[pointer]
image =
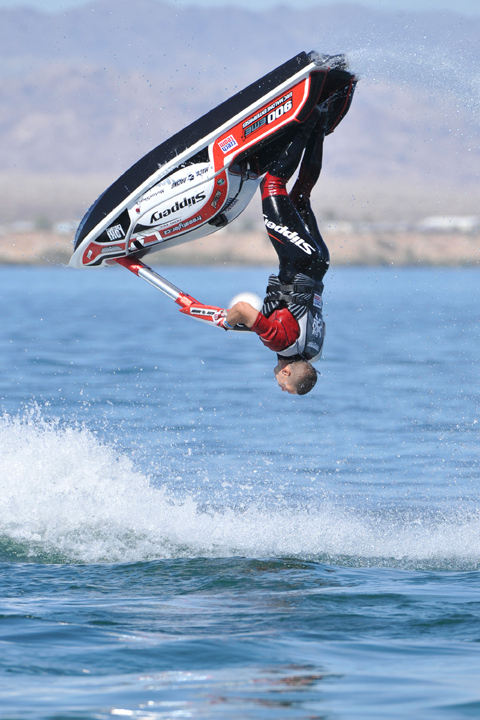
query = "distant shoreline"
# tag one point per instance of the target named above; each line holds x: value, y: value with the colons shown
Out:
x: 227, y: 248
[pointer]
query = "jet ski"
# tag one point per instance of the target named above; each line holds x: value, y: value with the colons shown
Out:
x: 202, y: 178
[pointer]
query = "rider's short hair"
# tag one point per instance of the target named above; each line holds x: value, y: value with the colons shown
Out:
x: 304, y: 377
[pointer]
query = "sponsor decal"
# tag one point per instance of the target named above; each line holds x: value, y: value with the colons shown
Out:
x: 112, y: 248
x: 202, y: 311
x: 216, y: 198
x: 89, y: 254
x: 186, y: 202
x: 227, y: 144
x: 317, y: 301
x: 182, y: 177
x: 268, y: 114
x: 181, y: 226
x: 314, y: 346
x: 231, y: 202
x: 317, y: 326
x: 183, y: 180
x: 220, y: 181
x: 116, y: 232
x: 146, y: 198
x: 292, y: 236
x: 256, y: 126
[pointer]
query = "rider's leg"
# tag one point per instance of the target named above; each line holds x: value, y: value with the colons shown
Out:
x: 311, y: 166
x: 308, y: 175
x: 298, y: 249
x: 288, y: 161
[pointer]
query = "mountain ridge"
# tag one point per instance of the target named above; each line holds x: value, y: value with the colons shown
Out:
x: 87, y: 91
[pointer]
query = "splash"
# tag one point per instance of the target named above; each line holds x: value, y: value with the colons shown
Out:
x: 445, y: 73
x: 448, y: 80
x: 66, y: 496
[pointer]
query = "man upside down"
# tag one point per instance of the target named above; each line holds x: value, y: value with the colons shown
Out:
x: 291, y: 322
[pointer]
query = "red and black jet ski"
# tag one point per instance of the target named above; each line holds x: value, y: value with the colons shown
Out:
x: 203, y: 177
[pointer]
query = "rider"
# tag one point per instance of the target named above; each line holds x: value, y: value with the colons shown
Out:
x: 291, y: 322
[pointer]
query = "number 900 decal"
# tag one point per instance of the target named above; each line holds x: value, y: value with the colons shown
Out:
x: 268, y: 115
x: 275, y: 114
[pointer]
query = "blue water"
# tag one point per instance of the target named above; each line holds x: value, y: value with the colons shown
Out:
x: 179, y: 539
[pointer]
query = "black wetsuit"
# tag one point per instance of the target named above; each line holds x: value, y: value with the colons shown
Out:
x: 289, y: 219
x: 291, y: 225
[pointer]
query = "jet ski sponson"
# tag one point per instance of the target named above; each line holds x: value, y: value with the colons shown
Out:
x: 203, y: 177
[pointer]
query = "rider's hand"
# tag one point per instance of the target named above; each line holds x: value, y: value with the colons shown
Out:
x: 219, y: 318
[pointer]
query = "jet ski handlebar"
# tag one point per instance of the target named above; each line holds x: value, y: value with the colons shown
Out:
x: 188, y: 305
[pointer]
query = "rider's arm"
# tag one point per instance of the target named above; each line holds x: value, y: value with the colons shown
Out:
x: 242, y: 313
x: 278, y: 331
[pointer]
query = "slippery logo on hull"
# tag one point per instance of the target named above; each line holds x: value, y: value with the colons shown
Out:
x: 177, y: 206
x: 292, y: 236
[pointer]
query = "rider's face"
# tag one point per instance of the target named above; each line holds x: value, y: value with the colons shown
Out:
x: 283, y: 377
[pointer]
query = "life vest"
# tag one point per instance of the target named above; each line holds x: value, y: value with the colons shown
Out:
x: 303, y: 298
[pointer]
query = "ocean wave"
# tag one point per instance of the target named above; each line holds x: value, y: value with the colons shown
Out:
x: 67, y: 496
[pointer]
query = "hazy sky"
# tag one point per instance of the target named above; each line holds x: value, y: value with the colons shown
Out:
x: 470, y: 7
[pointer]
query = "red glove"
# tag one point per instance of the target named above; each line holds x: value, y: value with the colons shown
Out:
x: 219, y: 318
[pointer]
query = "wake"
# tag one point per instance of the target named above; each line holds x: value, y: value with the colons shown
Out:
x: 66, y: 496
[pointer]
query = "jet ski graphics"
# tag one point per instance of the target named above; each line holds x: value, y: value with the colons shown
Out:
x: 203, y: 177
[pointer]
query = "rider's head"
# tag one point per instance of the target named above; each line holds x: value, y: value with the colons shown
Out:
x: 296, y: 378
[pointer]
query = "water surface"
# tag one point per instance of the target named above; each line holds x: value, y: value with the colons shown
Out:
x: 181, y: 539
